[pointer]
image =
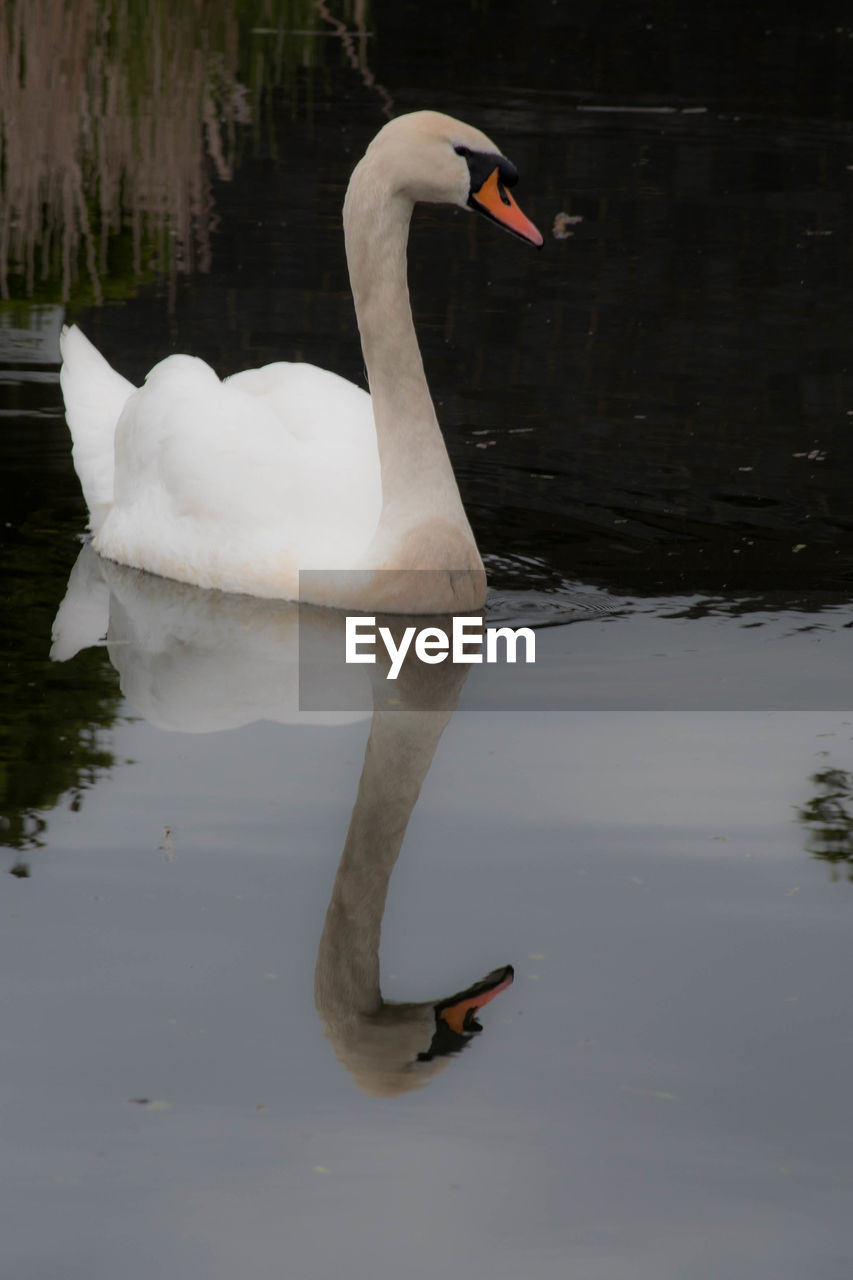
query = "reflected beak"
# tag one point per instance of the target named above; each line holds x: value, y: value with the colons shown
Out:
x: 459, y: 1011
x: 496, y: 203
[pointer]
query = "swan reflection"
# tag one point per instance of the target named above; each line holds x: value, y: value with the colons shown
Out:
x: 390, y: 1047
x: 200, y: 661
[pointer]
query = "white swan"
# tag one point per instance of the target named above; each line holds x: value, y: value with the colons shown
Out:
x: 241, y: 484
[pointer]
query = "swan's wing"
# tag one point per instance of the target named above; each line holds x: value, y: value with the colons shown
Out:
x: 310, y: 403
x: 214, y: 479
x: 203, y: 449
x: 337, y: 493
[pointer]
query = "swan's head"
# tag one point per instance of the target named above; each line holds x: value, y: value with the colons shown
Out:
x: 431, y: 157
x: 402, y: 1046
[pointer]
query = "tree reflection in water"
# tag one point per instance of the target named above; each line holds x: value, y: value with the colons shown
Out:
x: 828, y: 819
x: 109, y: 149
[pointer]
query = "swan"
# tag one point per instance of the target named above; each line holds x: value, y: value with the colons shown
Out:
x: 239, y: 484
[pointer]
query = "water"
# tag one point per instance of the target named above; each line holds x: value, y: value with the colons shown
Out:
x: 651, y: 423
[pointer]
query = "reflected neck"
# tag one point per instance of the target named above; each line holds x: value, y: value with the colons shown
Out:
x: 397, y: 759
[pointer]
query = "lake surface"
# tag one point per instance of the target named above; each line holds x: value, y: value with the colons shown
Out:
x: 652, y: 425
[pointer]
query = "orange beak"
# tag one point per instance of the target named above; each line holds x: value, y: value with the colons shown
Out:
x: 458, y: 1012
x: 496, y: 203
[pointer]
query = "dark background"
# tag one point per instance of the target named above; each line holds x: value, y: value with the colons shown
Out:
x: 672, y: 365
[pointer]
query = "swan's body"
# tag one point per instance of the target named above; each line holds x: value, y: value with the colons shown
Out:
x: 240, y: 484
x: 236, y: 484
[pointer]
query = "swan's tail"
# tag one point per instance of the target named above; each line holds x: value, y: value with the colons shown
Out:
x: 94, y: 398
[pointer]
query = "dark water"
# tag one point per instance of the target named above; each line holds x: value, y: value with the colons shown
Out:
x: 652, y: 425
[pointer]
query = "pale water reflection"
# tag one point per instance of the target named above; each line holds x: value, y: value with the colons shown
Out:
x: 658, y: 1093
x: 660, y: 1089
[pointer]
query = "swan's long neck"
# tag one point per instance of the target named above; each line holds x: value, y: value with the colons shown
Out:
x: 417, y: 477
x: 398, y: 756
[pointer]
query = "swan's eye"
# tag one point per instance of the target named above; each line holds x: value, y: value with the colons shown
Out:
x: 481, y: 164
